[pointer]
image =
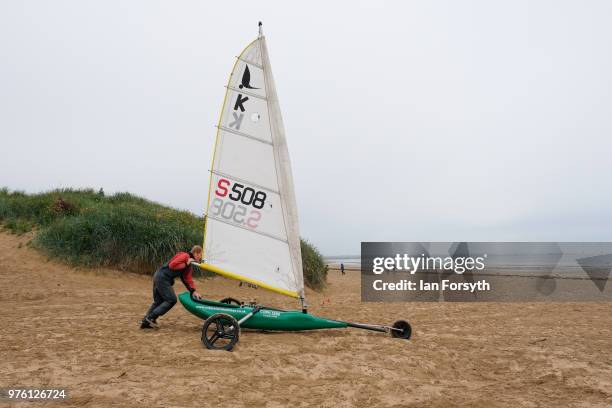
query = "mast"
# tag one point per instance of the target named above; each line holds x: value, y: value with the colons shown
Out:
x: 283, y: 167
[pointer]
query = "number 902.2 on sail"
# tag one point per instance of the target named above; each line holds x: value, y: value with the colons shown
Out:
x: 240, y: 194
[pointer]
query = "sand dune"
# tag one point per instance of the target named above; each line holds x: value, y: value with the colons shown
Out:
x: 78, y: 328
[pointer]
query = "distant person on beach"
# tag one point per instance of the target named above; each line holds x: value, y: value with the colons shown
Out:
x: 164, y: 297
x: 342, y: 268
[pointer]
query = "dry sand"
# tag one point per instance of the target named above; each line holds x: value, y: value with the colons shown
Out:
x: 78, y: 329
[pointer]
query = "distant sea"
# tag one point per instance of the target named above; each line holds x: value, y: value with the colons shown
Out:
x: 352, y: 261
x: 565, y: 259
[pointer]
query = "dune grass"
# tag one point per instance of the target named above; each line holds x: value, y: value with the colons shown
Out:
x: 315, y: 270
x: 124, y: 231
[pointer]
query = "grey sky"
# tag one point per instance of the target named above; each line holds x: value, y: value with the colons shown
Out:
x: 430, y: 120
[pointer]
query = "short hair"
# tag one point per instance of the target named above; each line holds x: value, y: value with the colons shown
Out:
x: 196, y: 249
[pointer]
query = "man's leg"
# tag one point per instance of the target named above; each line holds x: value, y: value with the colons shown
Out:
x: 157, y: 300
x: 165, y: 291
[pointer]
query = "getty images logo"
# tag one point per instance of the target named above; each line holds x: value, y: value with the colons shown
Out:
x: 413, y: 264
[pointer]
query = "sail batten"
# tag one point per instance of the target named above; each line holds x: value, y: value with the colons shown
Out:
x: 250, y: 62
x: 247, y: 229
x: 251, y: 227
x: 254, y: 95
x: 244, y: 135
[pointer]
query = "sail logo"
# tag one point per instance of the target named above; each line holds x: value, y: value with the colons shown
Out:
x: 241, y: 100
x: 246, y: 79
x: 237, y: 121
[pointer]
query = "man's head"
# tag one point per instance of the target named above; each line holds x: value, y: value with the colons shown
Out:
x: 196, y: 251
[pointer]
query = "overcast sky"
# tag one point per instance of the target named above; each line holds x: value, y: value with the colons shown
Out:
x: 406, y: 121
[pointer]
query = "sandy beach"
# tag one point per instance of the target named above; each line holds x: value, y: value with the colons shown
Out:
x: 78, y: 328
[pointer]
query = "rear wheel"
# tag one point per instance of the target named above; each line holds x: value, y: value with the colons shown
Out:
x: 401, y: 330
x: 231, y: 301
x: 220, y: 332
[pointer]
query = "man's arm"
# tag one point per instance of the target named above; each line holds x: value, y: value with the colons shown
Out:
x: 179, y: 261
x: 187, y: 279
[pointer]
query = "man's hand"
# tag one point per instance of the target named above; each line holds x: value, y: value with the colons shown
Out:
x: 197, y: 295
x: 190, y: 261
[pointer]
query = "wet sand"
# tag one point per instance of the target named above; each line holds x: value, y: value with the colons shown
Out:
x: 78, y: 328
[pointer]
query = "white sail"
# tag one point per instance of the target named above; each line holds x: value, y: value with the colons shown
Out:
x: 252, y: 231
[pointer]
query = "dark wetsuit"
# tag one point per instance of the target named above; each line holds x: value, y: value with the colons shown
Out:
x: 164, y: 297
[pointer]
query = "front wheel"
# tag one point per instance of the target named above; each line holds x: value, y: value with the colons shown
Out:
x: 401, y: 330
x: 220, y: 332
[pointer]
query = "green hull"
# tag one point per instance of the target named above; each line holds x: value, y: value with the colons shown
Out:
x: 265, y: 319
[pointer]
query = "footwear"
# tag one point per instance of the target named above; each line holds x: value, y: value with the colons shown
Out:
x: 147, y: 323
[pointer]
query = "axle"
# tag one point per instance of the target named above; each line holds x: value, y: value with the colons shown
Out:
x: 373, y: 327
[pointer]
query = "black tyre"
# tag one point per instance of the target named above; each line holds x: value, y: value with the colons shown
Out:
x: 231, y: 301
x: 220, y: 332
x: 404, y: 330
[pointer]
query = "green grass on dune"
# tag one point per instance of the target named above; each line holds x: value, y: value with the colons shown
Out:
x: 315, y: 270
x: 85, y: 227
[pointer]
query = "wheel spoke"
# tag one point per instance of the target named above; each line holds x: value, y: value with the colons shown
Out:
x: 213, y: 338
x: 214, y: 326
